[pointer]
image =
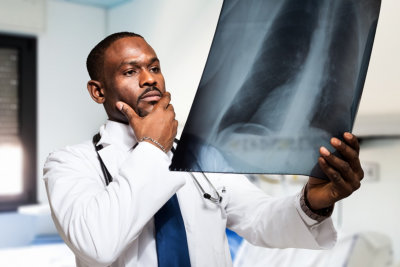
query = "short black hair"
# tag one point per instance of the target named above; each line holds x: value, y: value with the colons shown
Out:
x: 95, y: 59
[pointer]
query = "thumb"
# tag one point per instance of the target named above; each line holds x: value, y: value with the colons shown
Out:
x: 129, y: 113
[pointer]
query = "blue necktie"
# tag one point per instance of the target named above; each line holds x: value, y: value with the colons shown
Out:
x: 171, y: 242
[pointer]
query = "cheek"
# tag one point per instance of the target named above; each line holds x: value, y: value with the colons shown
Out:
x: 162, y: 84
x: 126, y: 91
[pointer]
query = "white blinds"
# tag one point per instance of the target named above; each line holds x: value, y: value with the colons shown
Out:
x: 9, y: 95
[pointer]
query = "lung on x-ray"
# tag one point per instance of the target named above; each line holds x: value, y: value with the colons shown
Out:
x: 282, y: 78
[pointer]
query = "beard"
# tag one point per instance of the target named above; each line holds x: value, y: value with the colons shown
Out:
x: 141, y: 112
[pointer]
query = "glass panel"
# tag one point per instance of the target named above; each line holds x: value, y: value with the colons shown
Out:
x: 10, y: 145
x: 11, y: 169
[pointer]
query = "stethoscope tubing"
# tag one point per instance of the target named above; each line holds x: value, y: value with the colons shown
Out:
x: 216, y: 200
x: 108, y: 178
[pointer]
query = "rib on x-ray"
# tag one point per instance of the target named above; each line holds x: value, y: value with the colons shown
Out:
x: 282, y: 78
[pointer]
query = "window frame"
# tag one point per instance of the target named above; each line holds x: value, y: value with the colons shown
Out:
x: 27, y: 109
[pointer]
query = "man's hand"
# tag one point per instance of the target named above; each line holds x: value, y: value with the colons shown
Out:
x: 344, y: 174
x: 159, y: 124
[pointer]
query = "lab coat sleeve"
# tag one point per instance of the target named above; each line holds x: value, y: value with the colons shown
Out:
x: 273, y: 222
x: 99, y: 222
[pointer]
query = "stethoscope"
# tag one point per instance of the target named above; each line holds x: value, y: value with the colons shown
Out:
x: 216, y: 198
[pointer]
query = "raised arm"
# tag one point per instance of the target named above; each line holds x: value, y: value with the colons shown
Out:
x: 99, y: 222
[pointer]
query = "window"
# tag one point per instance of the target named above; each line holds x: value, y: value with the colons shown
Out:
x: 17, y: 121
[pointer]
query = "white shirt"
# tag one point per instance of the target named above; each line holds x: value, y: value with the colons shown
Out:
x: 113, y: 225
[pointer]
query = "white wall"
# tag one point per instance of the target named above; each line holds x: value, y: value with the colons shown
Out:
x: 379, y: 111
x: 375, y: 207
x: 381, y: 93
x: 66, y: 113
x: 180, y: 32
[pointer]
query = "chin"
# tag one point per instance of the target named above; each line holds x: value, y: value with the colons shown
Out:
x: 143, y: 112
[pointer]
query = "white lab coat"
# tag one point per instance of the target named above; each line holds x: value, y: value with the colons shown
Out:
x: 113, y: 225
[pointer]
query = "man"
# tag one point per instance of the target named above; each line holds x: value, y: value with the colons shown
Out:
x: 114, y: 224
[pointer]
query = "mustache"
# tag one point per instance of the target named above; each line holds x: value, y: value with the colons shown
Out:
x: 148, y: 89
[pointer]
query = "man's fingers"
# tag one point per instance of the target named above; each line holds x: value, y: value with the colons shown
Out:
x: 125, y: 109
x: 164, y: 104
x: 352, y: 141
x: 164, y: 101
x: 342, y: 166
x: 175, y: 127
x: 339, y: 168
x: 171, y: 109
x: 333, y: 175
x: 349, y: 153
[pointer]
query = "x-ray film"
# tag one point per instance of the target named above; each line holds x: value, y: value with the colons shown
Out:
x: 282, y: 78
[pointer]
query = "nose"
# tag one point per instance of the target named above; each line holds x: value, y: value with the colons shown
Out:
x: 147, y: 79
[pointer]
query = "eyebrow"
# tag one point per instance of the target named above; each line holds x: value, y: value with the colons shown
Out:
x: 136, y: 63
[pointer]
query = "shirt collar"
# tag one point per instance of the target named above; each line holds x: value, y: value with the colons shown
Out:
x: 117, y: 133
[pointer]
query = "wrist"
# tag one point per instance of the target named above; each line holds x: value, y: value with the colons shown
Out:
x: 324, y: 211
x: 154, y: 142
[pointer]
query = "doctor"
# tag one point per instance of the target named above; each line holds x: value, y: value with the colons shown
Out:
x: 106, y: 203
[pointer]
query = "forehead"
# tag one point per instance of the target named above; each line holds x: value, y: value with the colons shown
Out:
x: 128, y: 48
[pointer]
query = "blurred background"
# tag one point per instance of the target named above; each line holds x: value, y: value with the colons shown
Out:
x: 44, y: 105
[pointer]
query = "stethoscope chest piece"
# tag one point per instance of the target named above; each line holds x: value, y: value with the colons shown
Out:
x: 217, y: 198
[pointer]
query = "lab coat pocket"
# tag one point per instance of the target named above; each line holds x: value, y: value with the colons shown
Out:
x: 224, y: 200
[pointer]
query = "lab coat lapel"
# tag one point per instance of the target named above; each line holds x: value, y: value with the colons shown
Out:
x: 111, y: 154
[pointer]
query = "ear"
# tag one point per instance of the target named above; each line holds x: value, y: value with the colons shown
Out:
x: 96, y: 91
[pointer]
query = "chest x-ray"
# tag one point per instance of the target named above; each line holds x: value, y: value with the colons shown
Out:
x: 281, y: 79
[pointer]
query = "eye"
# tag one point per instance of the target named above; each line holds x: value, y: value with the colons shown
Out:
x: 155, y: 69
x: 129, y: 72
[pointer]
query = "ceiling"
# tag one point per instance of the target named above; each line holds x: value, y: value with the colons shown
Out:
x: 99, y: 3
